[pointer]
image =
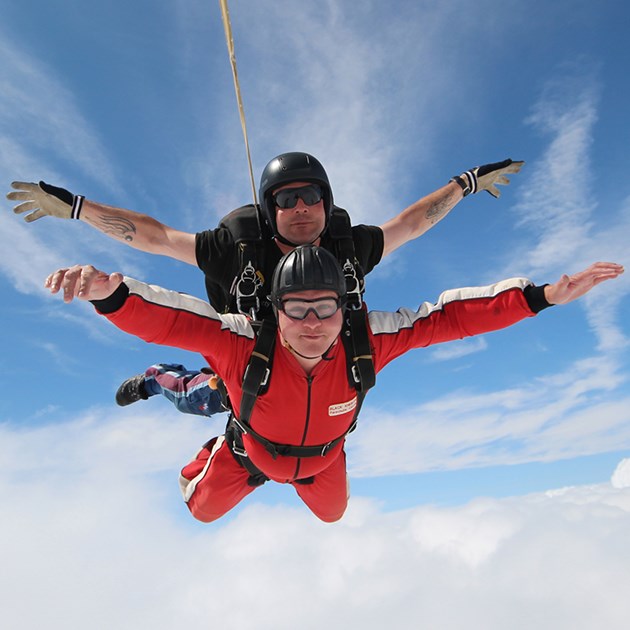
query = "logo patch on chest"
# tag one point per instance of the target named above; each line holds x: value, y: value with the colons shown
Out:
x: 340, y: 408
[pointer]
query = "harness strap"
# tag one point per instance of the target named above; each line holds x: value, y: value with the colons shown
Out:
x: 258, y: 371
x: 234, y: 439
x: 289, y: 450
x: 361, y: 372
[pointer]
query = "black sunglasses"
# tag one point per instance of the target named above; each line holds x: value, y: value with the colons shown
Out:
x: 288, y: 197
x: 323, y: 308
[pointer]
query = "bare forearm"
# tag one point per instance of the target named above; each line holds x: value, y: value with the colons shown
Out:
x: 139, y: 231
x: 420, y: 217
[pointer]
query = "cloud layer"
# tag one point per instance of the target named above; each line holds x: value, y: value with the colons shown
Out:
x: 92, y: 533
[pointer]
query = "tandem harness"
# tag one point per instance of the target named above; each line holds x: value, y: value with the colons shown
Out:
x: 256, y: 381
x: 250, y: 234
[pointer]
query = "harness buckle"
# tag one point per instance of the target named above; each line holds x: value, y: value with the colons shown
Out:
x: 326, y: 448
x: 237, y: 450
x: 265, y: 378
x: 247, y: 300
x: 242, y: 429
x: 353, y: 286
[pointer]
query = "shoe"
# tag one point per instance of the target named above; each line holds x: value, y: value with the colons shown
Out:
x: 132, y: 390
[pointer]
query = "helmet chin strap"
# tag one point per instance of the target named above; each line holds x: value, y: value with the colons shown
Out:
x: 322, y: 356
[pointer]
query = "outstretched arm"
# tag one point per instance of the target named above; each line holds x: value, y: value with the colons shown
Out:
x: 470, y: 311
x: 422, y: 215
x: 132, y: 228
x: 157, y: 315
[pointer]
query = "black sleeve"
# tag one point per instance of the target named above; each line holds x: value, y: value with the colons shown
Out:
x: 535, y: 297
x: 215, y: 251
x: 112, y: 303
x: 368, y: 246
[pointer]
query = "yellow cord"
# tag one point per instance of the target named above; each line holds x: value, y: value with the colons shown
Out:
x: 230, y: 44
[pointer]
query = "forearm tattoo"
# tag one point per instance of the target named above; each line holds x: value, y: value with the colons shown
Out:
x: 118, y: 227
x: 440, y: 208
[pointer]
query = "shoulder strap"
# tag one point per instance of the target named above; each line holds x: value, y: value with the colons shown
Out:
x: 258, y: 370
x: 340, y: 232
x: 359, y: 359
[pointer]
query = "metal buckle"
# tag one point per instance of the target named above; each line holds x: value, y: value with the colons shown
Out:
x: 265, y: 378
x: 239, y: 425
x: 246, y: 289
x: 326, y: 447
x: 353, y: 286
x: 237, y: 450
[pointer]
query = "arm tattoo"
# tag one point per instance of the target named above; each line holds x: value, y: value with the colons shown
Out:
x: 439, y: 209
x: 118, y: 227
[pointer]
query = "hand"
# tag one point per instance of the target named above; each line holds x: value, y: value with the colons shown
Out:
x: 45, y: 199
x: 487, y: 176
x: 84, y: 282
x: 569, y: 288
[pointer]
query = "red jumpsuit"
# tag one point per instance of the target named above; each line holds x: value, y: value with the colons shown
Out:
x: 298, y: 409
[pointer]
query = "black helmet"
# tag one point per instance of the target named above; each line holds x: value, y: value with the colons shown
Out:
x: 305, y: 268
x: 288, y: 168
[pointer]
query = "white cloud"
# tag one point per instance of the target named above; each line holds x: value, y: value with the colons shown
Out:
x: 556, y: 197
x: 555, y: 416
x: 38, y: 115
x: 621, y: 476
x: 97, y: 530
x: 42, y: 127
x: 361, y: 107
x: 559, y: 206
x: 459, y: 349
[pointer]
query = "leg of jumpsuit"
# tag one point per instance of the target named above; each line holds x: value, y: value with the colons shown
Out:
x: 214, y: 482
x: 188, y: 390
x: 327, y: 497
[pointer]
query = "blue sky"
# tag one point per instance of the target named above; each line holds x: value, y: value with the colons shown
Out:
x: 474, y: 461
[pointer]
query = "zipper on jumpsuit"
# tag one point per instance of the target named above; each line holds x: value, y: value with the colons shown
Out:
x: 309, y: 380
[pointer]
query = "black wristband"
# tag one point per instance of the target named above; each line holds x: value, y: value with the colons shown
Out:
x: 535, y: 297
x: 466, y: 181
x: 77, y: 204
x: 112, y: 303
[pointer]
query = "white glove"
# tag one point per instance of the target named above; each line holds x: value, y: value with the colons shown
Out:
x: 485, y: 177
x: 45, y: 199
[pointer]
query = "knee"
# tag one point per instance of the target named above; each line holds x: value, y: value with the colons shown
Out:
x: 331, y: 517
x: 201, y: 515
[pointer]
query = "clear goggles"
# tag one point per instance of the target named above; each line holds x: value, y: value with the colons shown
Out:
x: 323, y: 308
x: 288, y: 197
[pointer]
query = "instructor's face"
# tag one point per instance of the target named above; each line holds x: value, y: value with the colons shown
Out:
x: 302, y: 224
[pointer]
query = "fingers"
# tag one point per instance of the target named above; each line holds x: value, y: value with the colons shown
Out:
x: 494, y: 191
x: 599, y: 271
x: 73, y: 282
x: 53, y: 280
x: 38, y: 214
x: 515, y: 167
x: 26, y: 186
x: 24, y: 191
x: 26, y: 205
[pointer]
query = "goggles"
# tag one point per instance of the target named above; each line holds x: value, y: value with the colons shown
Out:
x: 288, y: 197
x: 323, y: 308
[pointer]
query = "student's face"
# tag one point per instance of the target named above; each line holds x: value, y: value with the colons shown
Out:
x: 303, y: 223
x: 310, y: 336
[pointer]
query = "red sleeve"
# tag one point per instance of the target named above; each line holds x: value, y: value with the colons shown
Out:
x: 457, y: 314
x: 182, y: 321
